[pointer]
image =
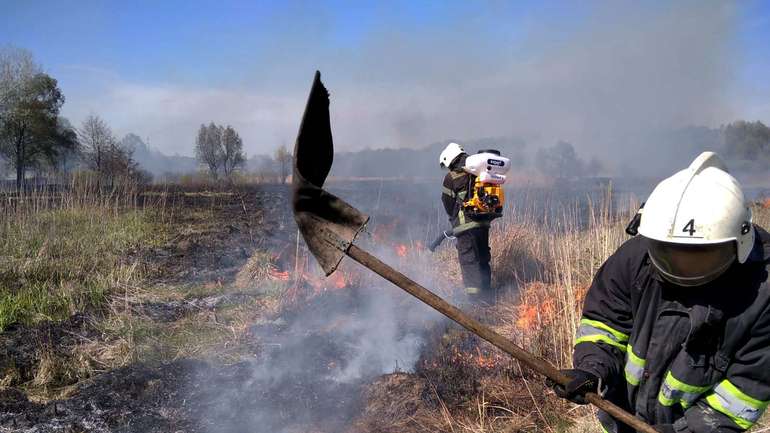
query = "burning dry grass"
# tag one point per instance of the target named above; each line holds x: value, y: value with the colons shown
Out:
x: 551, y: 266
x: 460, y: 384
x: 544, y: 269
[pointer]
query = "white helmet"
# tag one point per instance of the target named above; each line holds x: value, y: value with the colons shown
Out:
x: 698, y: 223
x: 452, y: 151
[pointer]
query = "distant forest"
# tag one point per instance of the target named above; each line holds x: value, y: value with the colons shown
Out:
x: 36, y: 140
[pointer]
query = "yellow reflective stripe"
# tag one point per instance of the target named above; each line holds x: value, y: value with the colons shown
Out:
x: 684, y: 387
x: 673, y: 390
x: 631, y: 379
x: 741, y: 408
x: 713, y: 401
x: 665, y: 401
x: 635, y: 359
x: 600, y: 339
x: 621, y: 337
x: 634, y: 367
x: 448, y: 192
x: 469, y: 226
x: 750, y: 401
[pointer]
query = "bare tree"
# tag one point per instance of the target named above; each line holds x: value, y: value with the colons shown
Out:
x: 112, y: 161
x: 208, y: 148
x: 16, y: 67
x: 232, y: 155
x: 284, y: 159
x: 98, y: 142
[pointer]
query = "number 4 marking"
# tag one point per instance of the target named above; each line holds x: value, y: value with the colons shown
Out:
x: 689, y: 227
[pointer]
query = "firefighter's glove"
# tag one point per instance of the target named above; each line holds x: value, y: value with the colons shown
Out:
x: 664, y: 428
x: 581, y: 382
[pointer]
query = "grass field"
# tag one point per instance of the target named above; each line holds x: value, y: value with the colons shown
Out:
x: 90, y: 284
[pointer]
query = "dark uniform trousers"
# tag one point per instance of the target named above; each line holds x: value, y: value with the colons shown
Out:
x: 474, y: 256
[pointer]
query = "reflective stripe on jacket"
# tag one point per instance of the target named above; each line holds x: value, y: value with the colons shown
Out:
x: 698, y: 358
x: 454, y: 193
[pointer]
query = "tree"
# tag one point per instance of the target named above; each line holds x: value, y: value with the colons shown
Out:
x: 97, y: 142
x: 560, y: 160
x: 747, y: 140
x: 208, y: 148
x: 594, y: 167
x: 232, y: 155
x: 284, y: 159
x: 29, y: 107
x: 65, y: 146
x: 16, y: 66
x: 219, y: 147
x: 112, y: 161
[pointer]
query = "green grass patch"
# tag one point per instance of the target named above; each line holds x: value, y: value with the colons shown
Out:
x: 57, y: 262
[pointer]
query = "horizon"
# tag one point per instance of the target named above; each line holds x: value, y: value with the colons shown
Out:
x: 405, y: 75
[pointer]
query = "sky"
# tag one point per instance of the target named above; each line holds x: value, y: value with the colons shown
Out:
x: 401, y: 73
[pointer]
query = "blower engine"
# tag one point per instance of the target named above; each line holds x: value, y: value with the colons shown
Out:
x: 486, y: 197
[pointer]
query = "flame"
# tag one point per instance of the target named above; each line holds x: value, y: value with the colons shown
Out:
x: 402, y: 250
x: 278, y: 275
x: 338, y: 280
x: 766, y: 203
x: 484, y: 361
x: 527, y: 316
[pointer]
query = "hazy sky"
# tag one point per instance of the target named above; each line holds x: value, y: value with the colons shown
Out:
x: 401, y: 73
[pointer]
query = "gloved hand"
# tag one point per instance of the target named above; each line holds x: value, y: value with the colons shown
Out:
x: 664, y: 428
x: 580, y: 383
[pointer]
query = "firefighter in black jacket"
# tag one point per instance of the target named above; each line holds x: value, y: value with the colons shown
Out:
x: 472, y: 236
x: 676, y: 325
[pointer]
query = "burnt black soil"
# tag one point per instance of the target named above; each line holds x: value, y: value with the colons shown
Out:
x: 291, y: 385
x: 291, y: 382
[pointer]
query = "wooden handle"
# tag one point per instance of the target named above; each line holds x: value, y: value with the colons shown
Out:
x: 538, y: 364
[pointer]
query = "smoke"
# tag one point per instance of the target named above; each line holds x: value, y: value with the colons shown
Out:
x: 622, y: 73
x: 315, y: 357
x: 601, y: 77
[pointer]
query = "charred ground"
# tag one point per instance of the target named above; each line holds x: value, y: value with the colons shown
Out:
x: 220, y: 335
x: 215, y: 319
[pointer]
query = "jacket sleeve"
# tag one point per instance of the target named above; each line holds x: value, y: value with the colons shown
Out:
x: 739, y: 400
x: 605, y: 326
x: 448, y: 196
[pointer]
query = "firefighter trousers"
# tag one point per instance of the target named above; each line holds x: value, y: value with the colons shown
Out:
x: 474, y: 256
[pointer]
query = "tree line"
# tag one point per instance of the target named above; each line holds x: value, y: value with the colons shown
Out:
x: 34, y: 137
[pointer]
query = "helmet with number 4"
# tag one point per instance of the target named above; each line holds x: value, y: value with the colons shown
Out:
x: 697, y: 223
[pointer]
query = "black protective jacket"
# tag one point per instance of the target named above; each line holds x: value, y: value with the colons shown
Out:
x: 455, y: 191
x: 695, y: 357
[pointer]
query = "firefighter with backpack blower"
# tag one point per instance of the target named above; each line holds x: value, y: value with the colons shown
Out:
x: 472, y: 196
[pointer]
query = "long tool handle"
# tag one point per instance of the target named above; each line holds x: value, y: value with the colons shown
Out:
x: 538, y: 364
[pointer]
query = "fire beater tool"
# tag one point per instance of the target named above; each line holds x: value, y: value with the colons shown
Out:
x: 329, y: 226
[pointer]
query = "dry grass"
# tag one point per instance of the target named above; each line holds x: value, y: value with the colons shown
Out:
x: 63, y: 252
x: 68, y: 252
x: 551, y: 265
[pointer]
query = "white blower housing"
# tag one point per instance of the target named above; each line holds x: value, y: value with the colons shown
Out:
x: 489, y: 167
